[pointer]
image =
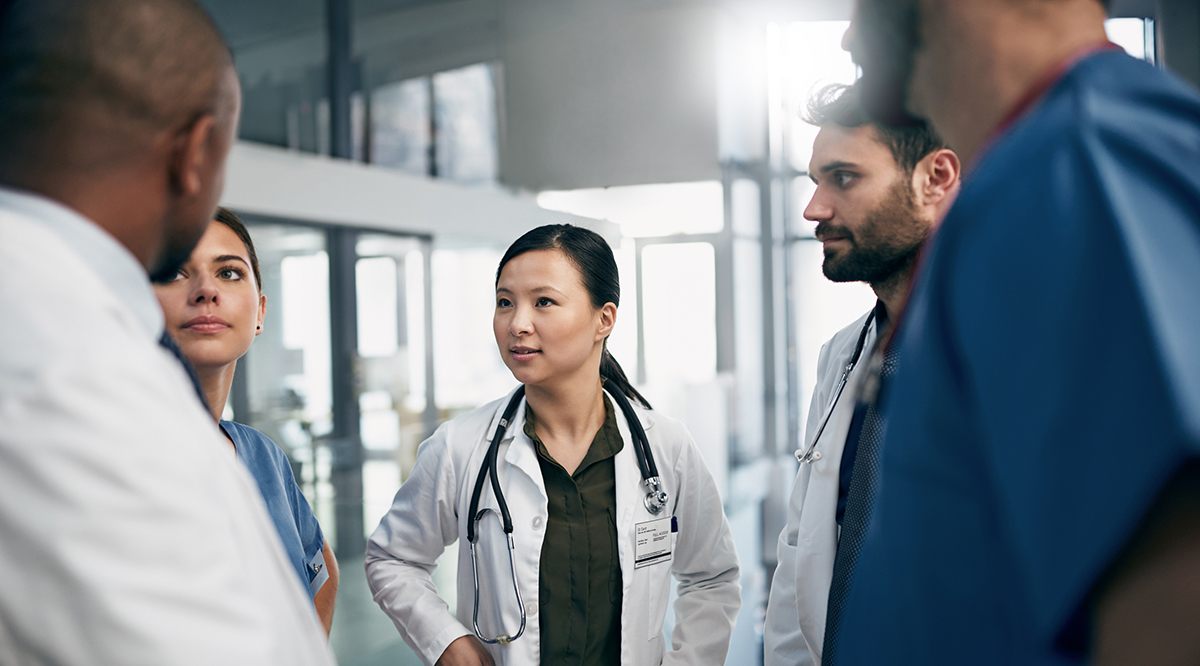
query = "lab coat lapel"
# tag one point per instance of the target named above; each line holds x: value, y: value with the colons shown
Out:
x: 635, y: 584
x: 520, y: 454
x: 629, y: 484
x: 818, y: 481
x: 525, y: 493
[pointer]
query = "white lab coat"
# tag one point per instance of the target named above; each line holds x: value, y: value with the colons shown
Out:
x: 430, y: 512
x: 129, y: 532
x: 795, y: 625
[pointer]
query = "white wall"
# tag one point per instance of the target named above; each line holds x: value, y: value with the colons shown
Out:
x: 620, y: 92
x: 291, y: 185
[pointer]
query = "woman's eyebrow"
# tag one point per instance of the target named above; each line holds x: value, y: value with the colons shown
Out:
x: 535, y: 290
x: 230, y: 257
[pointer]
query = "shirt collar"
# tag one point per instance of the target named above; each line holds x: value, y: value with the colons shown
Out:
x: 607, y: 442
x: 881, y: 317
x: 111, y: 261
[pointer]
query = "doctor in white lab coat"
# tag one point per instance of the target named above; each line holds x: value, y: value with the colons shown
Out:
x: 538, y: 288
x: 808, y: 544
x: 880, y: 193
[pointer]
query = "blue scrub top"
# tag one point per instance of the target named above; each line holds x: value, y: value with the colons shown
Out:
x: 1049, y: 383
x: 294, y: 520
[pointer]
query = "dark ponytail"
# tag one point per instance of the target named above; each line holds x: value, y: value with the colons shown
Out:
x: 590, y: 253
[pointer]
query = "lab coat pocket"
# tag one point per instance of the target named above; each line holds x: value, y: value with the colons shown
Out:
x: 657, y: 580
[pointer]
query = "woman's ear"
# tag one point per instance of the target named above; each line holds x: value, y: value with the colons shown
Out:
x: 607, y: 320
x: 262, y: 312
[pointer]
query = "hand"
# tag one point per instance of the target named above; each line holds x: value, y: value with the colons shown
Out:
x: 465, y: 651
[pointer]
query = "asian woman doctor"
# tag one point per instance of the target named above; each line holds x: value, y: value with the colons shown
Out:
x: 583, y: 574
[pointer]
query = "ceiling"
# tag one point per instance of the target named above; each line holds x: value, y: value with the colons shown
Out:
x: 248, y: 24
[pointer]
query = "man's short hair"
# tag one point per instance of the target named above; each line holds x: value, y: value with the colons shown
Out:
x: 105, y: 73
x: 841, y: 104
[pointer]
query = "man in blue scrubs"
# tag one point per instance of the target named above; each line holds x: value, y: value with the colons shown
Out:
x: 1040, y: 499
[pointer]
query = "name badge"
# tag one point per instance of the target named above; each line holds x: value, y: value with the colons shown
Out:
x: 652, y: 543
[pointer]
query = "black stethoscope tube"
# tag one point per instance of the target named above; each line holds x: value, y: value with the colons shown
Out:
x: 806, y: 456
x: 640, y: 442
x: 488, y: 471
x: 655, y: 501
x: 656, y: 498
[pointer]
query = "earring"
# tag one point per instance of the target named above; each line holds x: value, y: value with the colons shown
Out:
x: 259, y: 328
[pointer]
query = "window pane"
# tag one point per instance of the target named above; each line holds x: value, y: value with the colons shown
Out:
x: 801, y: 195
x: 823, y: 308
x: 622, y: 344
x: 747, y: 204
x: 810, y: 57
x: 466, y: 124
x: 391, y: 345
x: 1131, y: 35
x: 469, y: 369
x: 391, y: 404
x: 280, y: 49
x: 680, y: 301
x: 400, y: 126
x: 748, y: 333
x: 647, y: 210
x: 287, y: 370
x: 376, y: 281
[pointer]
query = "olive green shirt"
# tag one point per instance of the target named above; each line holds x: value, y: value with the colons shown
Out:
x: 580, y: 578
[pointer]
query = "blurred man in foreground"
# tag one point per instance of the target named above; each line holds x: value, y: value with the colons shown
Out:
x: 1040, y: 499
x: 129, y: 534
x: 880, y: 193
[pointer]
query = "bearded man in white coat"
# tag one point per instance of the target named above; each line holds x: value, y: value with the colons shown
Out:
x: 880, y: 193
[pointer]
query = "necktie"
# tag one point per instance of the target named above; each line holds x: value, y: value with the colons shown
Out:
x: 168, y: 343
x: 864, y: 485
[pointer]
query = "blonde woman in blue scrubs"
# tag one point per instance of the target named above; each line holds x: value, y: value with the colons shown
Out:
x: 214, y: 308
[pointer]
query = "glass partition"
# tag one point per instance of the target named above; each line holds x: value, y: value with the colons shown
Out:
x: 280, y: 51
x: 286, y: 375
x: 389, y: 281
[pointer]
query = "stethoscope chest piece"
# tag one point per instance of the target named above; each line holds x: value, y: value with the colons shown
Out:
x: 656, y: 498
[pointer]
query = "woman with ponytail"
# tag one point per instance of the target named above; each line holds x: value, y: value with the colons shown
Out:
x: 591, y: 557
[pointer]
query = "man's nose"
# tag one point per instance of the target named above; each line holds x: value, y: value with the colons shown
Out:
x: 818, y: 210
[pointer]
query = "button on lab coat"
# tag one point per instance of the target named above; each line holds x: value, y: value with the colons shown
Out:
x: 795, y: 625
x: 430, y: 512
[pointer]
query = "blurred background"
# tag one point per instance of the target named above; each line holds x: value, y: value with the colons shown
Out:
x: 389, y: 152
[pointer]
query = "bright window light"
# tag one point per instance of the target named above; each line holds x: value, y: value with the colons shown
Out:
x: 1133, y: 35
x: 378, y: 306
x: 647, y: 210
x: 810, y: 57
x: 680, y: 302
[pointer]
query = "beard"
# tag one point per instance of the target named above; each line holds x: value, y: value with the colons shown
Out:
x: 888, y: 241
x: 887, y: 39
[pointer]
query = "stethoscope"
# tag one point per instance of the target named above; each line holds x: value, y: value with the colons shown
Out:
x: 655, y: 500
x: 811, y: 454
